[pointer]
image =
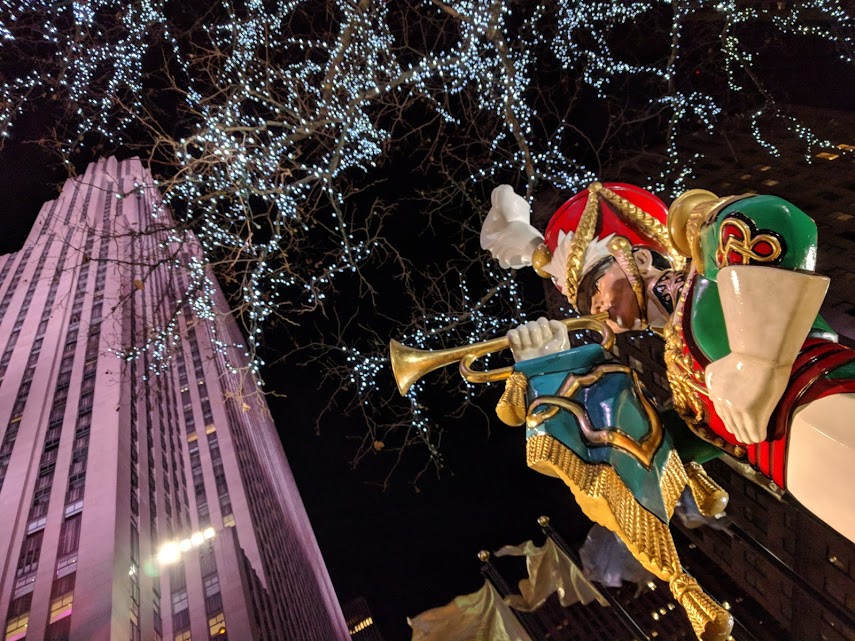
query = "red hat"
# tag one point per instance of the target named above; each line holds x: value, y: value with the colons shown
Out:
x: 603, y: 211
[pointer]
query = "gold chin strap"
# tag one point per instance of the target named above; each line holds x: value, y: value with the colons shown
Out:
x: 621, y: 249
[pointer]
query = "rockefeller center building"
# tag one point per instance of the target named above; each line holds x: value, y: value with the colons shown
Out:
x: 144, y: 496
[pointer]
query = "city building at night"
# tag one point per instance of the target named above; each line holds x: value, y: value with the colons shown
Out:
x: 146, y: 497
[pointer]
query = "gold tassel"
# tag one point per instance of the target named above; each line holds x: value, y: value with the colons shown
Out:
x: 709, y: 495
x: 511, y: 409
x: 709, y: 620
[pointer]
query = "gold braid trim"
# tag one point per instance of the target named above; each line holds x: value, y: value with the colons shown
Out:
x: 605, y: 499
x: 646, y: 224
x: 585, y: 231
x: 511, y: 408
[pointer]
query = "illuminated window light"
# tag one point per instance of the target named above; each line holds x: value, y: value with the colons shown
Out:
x: 827, y: 155
x: 770, y: 182
x: 61, y: 607
x: 359, y: 627
x: 844, y: 147
x: 217, y: 625
x: 17, y: 628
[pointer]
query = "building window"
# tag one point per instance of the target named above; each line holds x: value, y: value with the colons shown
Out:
x: 69, y: 536
x: 17, y: 628
x: 179, y: 601
x: 65, y: 565
x: 183, y: 636
x: 60, y: 607
x: 30, y: 552
x: 217, y: 626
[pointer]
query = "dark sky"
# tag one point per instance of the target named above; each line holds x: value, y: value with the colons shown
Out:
x: 405, y: 551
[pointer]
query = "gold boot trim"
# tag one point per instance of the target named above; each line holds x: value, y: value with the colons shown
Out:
x: 709, y: 495
x: 511, y: 408
x: 605, y: 499
x: 709, y: 620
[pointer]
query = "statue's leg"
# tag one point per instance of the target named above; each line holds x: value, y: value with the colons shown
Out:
x: 821, y: 460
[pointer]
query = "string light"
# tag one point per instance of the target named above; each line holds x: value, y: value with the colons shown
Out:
x: 279, y: 127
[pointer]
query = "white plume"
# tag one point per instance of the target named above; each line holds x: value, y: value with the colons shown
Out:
x: 507, y: 232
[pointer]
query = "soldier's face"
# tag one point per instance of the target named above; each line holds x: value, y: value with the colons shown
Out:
x: 614, y: 295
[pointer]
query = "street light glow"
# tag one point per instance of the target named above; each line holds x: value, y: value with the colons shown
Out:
x: 171, y: 551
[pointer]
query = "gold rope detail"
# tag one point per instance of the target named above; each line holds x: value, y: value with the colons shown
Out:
x: 647, y: 224
x: 585, y: 231
x: 511, y: 408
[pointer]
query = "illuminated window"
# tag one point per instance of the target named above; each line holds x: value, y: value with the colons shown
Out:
x: 60, y: 607
x: 827, y: 156
x: 359, y: 627
x: 17, y: 628
x: 183, y: 636
x: 179, y: 601
x: 229, y: 520
x: 217, y: 625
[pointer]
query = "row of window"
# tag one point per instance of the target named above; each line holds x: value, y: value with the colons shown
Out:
x: 63, y: 584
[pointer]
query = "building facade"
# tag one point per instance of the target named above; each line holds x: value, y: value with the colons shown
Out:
x: 149, y: 497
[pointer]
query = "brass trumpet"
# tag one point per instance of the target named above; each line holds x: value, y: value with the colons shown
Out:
x: 410, y: 364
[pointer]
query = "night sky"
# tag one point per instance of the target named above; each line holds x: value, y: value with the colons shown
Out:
x: 405, y: 549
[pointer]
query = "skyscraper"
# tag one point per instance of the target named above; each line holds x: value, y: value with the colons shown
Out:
x: 149, y: 497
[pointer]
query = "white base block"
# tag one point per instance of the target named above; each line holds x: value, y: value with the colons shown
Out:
x: 821, y: 460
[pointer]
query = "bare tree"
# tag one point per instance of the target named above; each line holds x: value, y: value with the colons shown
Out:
x: 336, y: 156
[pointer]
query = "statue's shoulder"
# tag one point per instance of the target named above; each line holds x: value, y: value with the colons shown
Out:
x: 759, y: 230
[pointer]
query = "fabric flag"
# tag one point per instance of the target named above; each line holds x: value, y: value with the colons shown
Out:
x: 549, y: 570
x: 480, y: 616
x: 607, y: 560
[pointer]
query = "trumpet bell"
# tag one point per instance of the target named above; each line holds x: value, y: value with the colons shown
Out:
x: 410, y: 364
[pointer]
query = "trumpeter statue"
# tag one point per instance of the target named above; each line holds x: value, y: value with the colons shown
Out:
x: 754, y: 370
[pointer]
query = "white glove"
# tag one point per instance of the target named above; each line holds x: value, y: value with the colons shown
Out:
x: 507, y: 232
x: 744, y: 391
x: 538, y: 338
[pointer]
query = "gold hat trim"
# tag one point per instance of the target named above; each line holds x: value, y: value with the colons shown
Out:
x: 644, y: 222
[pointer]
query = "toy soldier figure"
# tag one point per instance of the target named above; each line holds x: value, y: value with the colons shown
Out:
x: 754, y: 371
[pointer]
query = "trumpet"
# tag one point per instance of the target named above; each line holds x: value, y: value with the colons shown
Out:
x: 409, y: 364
